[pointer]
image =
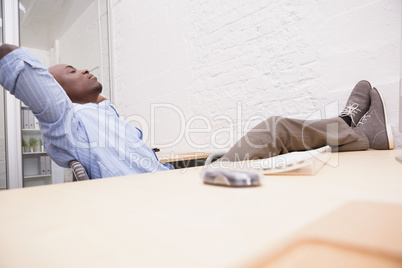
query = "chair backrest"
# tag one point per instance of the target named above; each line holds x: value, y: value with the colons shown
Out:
x: 79, y: 173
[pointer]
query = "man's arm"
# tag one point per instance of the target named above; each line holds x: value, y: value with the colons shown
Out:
x: 23, y: 75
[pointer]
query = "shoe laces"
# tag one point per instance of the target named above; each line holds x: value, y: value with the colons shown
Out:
x: 363, y: 119
x: 351, y: 111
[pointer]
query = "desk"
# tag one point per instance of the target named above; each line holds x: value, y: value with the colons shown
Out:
x: 172, y: 219
x: 184, y: 160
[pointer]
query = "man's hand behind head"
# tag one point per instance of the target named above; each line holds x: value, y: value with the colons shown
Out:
x: 100, y: 98
x: 5, y: 49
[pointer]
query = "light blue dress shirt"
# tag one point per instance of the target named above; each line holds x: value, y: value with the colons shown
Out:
x: 92, y: 134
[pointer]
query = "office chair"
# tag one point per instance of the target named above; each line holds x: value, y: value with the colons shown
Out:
x: 79, y: 173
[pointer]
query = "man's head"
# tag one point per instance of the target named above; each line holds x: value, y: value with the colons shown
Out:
x: 80, y: 85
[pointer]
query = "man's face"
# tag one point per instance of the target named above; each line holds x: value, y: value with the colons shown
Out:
x: 80, y: 85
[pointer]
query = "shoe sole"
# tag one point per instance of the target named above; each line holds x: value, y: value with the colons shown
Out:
x: 390, y: 136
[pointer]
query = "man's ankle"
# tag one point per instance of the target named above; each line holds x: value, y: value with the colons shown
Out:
x: 347, y: 119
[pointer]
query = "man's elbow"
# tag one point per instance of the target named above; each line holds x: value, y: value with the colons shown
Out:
x: 5, y: 49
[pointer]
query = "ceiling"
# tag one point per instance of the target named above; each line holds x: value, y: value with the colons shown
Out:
x: 40, y: 11
x: 50, y: 18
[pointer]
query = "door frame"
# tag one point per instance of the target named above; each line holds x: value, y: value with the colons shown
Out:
x: 12, y: 106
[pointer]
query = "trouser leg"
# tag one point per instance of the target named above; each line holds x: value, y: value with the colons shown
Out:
x: 279, y: 135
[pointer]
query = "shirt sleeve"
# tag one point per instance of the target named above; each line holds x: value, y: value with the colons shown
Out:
x: 23, y: 75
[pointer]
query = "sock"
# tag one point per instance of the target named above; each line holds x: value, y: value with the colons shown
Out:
x: 347, y: 119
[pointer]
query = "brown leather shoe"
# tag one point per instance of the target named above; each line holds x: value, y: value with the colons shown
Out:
x: 358, y: 103
x: 374, y: 124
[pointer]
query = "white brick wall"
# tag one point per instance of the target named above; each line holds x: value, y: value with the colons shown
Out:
x: 283, y: 57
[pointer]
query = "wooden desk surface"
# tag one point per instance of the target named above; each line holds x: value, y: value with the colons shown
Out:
x: 171, y: 219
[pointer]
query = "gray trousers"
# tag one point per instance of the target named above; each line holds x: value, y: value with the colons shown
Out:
x: 279, y: 135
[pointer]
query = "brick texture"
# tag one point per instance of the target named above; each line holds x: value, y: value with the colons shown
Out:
x: 226, y: 65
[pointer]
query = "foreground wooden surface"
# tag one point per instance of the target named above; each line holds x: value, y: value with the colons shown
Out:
x: 171, y: 219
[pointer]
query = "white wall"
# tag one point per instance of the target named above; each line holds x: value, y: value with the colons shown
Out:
x: 278, y: 57
x: 41, y: 54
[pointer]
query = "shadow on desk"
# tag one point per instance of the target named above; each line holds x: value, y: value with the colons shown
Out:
x: 359, y: 234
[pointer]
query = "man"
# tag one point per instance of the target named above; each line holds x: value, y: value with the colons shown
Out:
x: 73, y: 125
x: 76, y: 125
